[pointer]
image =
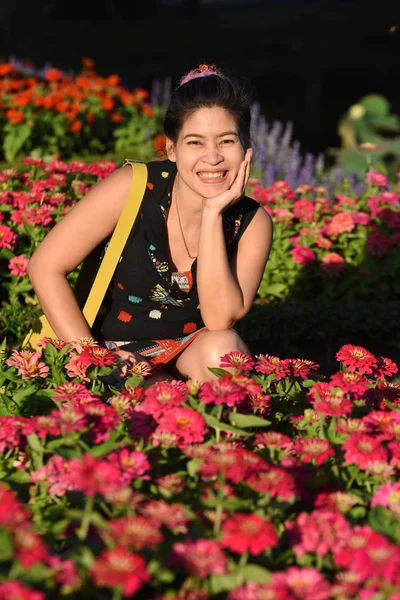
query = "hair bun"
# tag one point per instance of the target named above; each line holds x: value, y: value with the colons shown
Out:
x: 202, y: 70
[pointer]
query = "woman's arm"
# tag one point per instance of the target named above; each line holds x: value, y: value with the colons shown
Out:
x: 227, y: 290
x: 89, y: 222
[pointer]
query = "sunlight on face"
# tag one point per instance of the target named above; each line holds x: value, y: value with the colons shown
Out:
x: 208, y: 153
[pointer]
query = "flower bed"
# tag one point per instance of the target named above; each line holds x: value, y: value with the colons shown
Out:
x: 345, y: 248
x: 65, y: 116
x: 272, y: 481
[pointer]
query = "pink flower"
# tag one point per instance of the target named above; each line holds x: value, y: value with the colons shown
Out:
x: 362, y: 449
x: 135, y: 532
x: 57, y: 473
x: 333, y: 264
x: 304, y: 210
x: 66, y: 573
x: 28, y: 364
x: 330, y: 401
x: 12, y: 514
x: 93, y: 475
x: 237, y: 360
x: 18, y: 265
x: 76, y: 368
x: 14, y: 590
x: 318, y: 532
x: 29, y: 547
x: 388, y: 495
x: 355, y: 383
x: 133, y: 464
x: 300, y: 367
x: 310, y: 449
x: 248, y: 533
x: 234, y: 463
x: 356, y: 358
x: 160, y: 398
x: 303, y: 255
x: 377, y: 179
x: 201, y: 557
x: 7, y: 237
x: 186, y: 424
x: 301, y: 584
x: 378, y: 244
x: 71, y: 392
x: 10, y: 433
x: 119, y: 567
x: 342, y: 222
x: 272, y: 365
x: 222, y: 391
x: 274, y: 481
x: 385, y: 367
x: 275, y: 439
x: 173, y: 516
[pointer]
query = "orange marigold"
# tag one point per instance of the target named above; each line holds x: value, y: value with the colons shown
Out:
x: 53, y: 75
x: 159, y: 144
x: 87, y: 62
x: 15, y: 116
x: 148, y: 110
x: 75, y: 126
x: 116, y: 117
x: 107, y: 103
x: 113, y: 80
x: 5, y: 68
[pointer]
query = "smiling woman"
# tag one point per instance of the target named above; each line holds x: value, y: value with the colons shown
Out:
x: 196, y: 254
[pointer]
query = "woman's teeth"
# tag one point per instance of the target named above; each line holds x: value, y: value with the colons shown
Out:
x: 218, y: 175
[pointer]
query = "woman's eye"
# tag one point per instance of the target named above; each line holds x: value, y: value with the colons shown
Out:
x: 194, y: 143
x: 227, y: 142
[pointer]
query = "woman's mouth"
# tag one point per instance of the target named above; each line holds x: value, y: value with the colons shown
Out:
x: 212, y: 176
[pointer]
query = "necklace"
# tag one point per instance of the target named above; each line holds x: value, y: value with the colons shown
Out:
x: 180, y: 226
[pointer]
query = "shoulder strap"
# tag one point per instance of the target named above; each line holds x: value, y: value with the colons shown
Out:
x: 117, y: 242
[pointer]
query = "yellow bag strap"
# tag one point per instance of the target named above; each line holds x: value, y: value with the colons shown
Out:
x: 117, y: 241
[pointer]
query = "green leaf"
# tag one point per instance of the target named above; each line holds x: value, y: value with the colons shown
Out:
x: 134, y: 381
x: 256, y: 574
x: 385, y: 521
x: 15, y: 139
x: 241, y: 420
x: 34, y: 442
x: 193, y: 466
x: 105, y: 447
x: 218, y: 371
x: 222, y: 583
x: 19, y: 476
x: 215, y: 424
x: 24, y: 393
x: 6, y: 546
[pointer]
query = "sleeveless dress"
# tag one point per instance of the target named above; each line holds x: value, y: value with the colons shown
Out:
x: 149, y: 308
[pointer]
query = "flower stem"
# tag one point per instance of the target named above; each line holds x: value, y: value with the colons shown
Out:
x: 117, y: 593
x: 87, y: 513
x: 218, y: 508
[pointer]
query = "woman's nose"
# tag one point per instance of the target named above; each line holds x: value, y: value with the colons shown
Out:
x: 213, y: 156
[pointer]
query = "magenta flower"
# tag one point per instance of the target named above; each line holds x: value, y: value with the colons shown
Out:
x: 28, y: 364
x: 201, y: 557
x: 303, y: 255
x: 251, y: 533
x: 377, y: 179
x: 18, y: 265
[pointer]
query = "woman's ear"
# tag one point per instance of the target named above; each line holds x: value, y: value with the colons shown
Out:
x: 170, y: 149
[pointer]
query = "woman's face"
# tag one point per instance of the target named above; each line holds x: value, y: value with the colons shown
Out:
x: 208, y: 152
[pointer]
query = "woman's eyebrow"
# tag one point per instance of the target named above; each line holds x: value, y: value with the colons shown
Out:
x: 202, y: 136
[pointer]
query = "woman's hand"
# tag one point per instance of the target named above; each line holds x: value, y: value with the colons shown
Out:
x: 125, y: 360
x: 237, y: 189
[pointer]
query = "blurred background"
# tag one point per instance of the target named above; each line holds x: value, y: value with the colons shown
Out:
x: 309, y: 60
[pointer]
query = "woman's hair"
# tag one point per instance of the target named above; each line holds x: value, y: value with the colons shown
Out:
x: 206, y: 87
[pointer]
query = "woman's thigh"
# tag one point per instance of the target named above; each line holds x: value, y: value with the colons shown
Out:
x: 206, y: 351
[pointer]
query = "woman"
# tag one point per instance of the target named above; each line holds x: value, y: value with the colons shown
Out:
x: 195, y: 257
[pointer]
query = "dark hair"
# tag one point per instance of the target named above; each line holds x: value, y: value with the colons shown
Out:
x: 206, y: 92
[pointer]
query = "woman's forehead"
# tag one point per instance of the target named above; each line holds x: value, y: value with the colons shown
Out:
x: 214, y: 120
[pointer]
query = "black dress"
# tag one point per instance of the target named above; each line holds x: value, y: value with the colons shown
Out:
x: 149, y: 308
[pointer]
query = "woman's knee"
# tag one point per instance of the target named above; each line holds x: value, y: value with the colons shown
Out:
x: 216, y: 344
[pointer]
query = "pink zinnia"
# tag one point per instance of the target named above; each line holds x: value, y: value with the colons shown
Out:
x: 222, y: 391
x: 362, y: 449
x: 18, y: 265
x: 301, y: 584
x: 72, y: 391
x: 319, y: 532
x: 201, y: 557
x: 234, y: 463
x: 341, y: 223
x: 274, y: 481
x: 378, y: 244
x: 376, y: 178
x: 310, y: 449
x: 388, y: 495
x: 355, y: 383
x: 10, y: 433
x: 303, y: 255
x: 174, y: 516
x: 28, y: 364
x: 135, y: 532
x: 97, y: 356
x: 300, y: 367
x: 385, y: 367
x: 93, y: 475
x: 333, y: 264
x: 248, y: 533
x: 330, y: 401
x: 304, y: 210
x: 132, y: 464
x: 237, y: 360
x: 160, y: 398
x: 186, y: 424
x: 14, y: 590
x: 272, y: 365
x: 356, y: 358
x: 119, y: 567
x: 7, y: 237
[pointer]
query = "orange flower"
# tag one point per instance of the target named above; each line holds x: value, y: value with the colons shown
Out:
x: 140, y: 94
x: 90, y: 117
x: 53, y: 75
x: 116, y: 117
x: 159, y: 144
x: 75, y: 126
x: 87, y: 62
x: 113, y: 80
x: 107, y: 103
x: 147, y: 110
x: 82, y: 81
x: 5, y: 68
x: 15, y: 116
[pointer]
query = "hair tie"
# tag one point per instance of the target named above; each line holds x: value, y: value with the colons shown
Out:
x: 203, y: 70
